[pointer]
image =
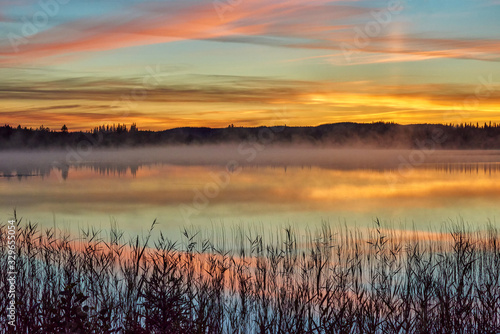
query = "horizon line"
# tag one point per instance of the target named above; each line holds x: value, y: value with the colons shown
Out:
x: 128, y: 127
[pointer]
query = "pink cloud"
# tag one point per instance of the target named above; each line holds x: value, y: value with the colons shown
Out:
x: 313, y: 25
x: 159, y: 23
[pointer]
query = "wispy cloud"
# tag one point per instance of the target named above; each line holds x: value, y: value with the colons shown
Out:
x: 185, y: 100
x: 316, y: 25
x: 268, y: 54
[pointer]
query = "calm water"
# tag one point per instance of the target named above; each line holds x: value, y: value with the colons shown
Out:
x: 264, y: 187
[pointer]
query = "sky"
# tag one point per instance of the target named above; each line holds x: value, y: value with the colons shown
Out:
x: 167, y: 63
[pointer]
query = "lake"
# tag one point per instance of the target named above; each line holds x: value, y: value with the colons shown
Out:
x: 250, y: 185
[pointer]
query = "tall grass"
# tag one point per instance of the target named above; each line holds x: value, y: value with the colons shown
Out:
x: 331, y: 281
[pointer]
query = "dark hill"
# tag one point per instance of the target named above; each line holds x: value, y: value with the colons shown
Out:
x: 376, y: 135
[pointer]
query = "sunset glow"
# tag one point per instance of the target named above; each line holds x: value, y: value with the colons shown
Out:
x: 201, y: 63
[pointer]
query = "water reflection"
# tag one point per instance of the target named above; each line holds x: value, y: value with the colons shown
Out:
x: 467, y: 168
x: 274, y: 190
x: 62, y: 170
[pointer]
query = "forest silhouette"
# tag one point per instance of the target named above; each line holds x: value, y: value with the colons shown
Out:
x: 372, y: 135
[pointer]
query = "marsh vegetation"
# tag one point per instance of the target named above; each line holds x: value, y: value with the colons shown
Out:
x: 333, y: 280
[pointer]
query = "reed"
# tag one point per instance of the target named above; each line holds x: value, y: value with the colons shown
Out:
x: 329, y: 281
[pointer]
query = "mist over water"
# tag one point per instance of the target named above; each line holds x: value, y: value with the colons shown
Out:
x: 41, y: 163
x: 249, y: 184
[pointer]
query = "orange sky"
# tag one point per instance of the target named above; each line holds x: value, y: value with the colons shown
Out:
x: 169, y: 64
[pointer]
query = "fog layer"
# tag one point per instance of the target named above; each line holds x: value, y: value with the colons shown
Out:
x: 28, y: 163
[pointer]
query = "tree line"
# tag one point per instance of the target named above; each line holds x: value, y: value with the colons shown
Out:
x: 376, y: 135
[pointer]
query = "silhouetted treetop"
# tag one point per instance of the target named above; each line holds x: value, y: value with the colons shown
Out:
x: 376, y: 135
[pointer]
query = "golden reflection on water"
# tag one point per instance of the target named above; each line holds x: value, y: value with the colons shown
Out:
x: 134, y: 196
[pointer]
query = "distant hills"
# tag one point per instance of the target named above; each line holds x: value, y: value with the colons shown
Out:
x: 372, y: 135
